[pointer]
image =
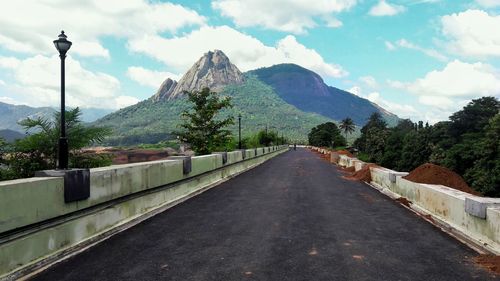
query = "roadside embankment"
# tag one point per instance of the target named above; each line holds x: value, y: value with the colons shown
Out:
x: 470, y: 218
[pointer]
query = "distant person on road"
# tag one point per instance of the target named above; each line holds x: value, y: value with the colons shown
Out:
x: 294, y: 146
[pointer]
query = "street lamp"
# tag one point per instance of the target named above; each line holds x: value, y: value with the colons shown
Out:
x: 239, y: 131
x: 62, y: 45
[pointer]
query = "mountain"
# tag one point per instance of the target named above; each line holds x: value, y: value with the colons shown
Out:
x: 11, y: 114
x: 307, y: 91
x: 152, y: 121
x: 10, y: 135
x: 212, y: 70
x: 286, y: 98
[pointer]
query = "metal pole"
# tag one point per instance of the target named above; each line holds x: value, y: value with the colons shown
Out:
x: 63, y: 141
x: 239, y: 131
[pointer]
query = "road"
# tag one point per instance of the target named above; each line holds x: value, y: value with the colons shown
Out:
x: 291, y: 218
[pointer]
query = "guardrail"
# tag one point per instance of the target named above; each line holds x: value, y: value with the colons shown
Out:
x: 37, y: 227
x: 472, y: 219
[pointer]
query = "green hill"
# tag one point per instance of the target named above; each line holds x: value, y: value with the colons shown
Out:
x: 307, y: 91
x: 151, y: 121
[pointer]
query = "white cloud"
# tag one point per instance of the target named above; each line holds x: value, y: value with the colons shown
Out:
x: 9, y: 100
x: 472, y: 33
x: 149, y: 78
x: 369, y: 81
x: 390, y: 46
x: 488, y: 3
x: 355, y: 90
x: 37, y: 82
x: 403, y: 43
x: 384, y: 8
x: 402, y: 110
x: 85, y: 21
x: 447, y: 89
x: 294, y: 16
x: 245, y: 51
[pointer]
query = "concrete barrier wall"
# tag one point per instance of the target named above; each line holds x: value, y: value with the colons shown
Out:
x: 60, y: 227
x: 469, y: 217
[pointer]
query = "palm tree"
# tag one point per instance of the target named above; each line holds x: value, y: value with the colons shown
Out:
x: 347, y: 125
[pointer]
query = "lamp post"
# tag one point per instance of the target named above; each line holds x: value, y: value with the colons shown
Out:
x: 62, y: 45
x: 239, y: 131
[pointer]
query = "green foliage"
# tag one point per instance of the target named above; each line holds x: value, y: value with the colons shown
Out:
x: 373, y: 137
x: 38, y: 151
x: 484, y: 175
x: 468, y: 144
x: 160, y: 145
x: 203, y: 130
x: 326, y: 135
x: 474, y: 116
x: 347, y: 125
x: 82, y: 160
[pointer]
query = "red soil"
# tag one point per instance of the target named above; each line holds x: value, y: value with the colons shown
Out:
x: 434, y: 174
x: 404, y: 201
x: 490, y: 262
x: 363, y: 174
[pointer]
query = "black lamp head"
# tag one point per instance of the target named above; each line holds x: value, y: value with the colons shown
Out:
x: 62, y: 44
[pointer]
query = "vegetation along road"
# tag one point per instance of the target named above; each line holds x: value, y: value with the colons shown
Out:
x: 291, y: 218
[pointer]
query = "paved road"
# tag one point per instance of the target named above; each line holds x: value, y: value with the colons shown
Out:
x: 292, y: 218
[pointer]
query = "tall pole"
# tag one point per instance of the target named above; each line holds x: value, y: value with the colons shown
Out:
x: 63, y: 141
x: 62, y: 45
x: 239, y: 131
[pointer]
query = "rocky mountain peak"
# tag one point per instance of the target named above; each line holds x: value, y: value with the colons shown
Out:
x: 213, y: 70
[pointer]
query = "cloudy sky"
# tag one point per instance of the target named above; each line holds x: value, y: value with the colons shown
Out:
x: 421, y: 59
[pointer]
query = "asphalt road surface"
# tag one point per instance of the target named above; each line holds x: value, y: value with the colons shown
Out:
x: 291, y: 218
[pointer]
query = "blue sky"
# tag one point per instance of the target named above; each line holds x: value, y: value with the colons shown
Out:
x: 421, y: 59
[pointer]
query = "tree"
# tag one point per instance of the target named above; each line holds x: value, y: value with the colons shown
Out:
x: 394, y: 144
x: 38, y: 151
x: 347, y: 125
x: 326, y: 134
x: 484, y: 175
x: 474, y: 116
x: 203, y: 131
x: 375, y: 124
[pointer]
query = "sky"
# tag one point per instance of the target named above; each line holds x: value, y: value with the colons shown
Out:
x: 420, y: 59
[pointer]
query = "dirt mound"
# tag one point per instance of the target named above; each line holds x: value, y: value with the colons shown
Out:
x: 363, y: 174
x: 344, y: 152
x: 434, y: 174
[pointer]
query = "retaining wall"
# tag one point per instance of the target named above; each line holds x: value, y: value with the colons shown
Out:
x: 473, y: 219
x: 38, y: 227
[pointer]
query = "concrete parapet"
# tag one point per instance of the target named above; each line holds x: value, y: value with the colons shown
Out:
x: 358, y: 165
x: 477, y: 206
x: 472, y: 218
x: 344, y: 160
x: 334, y: 157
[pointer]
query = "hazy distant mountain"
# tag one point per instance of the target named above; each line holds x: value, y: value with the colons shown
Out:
x: 10, y: 135
x: 11, y: 114
x: 286, y: 98
x: 307, y: 91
